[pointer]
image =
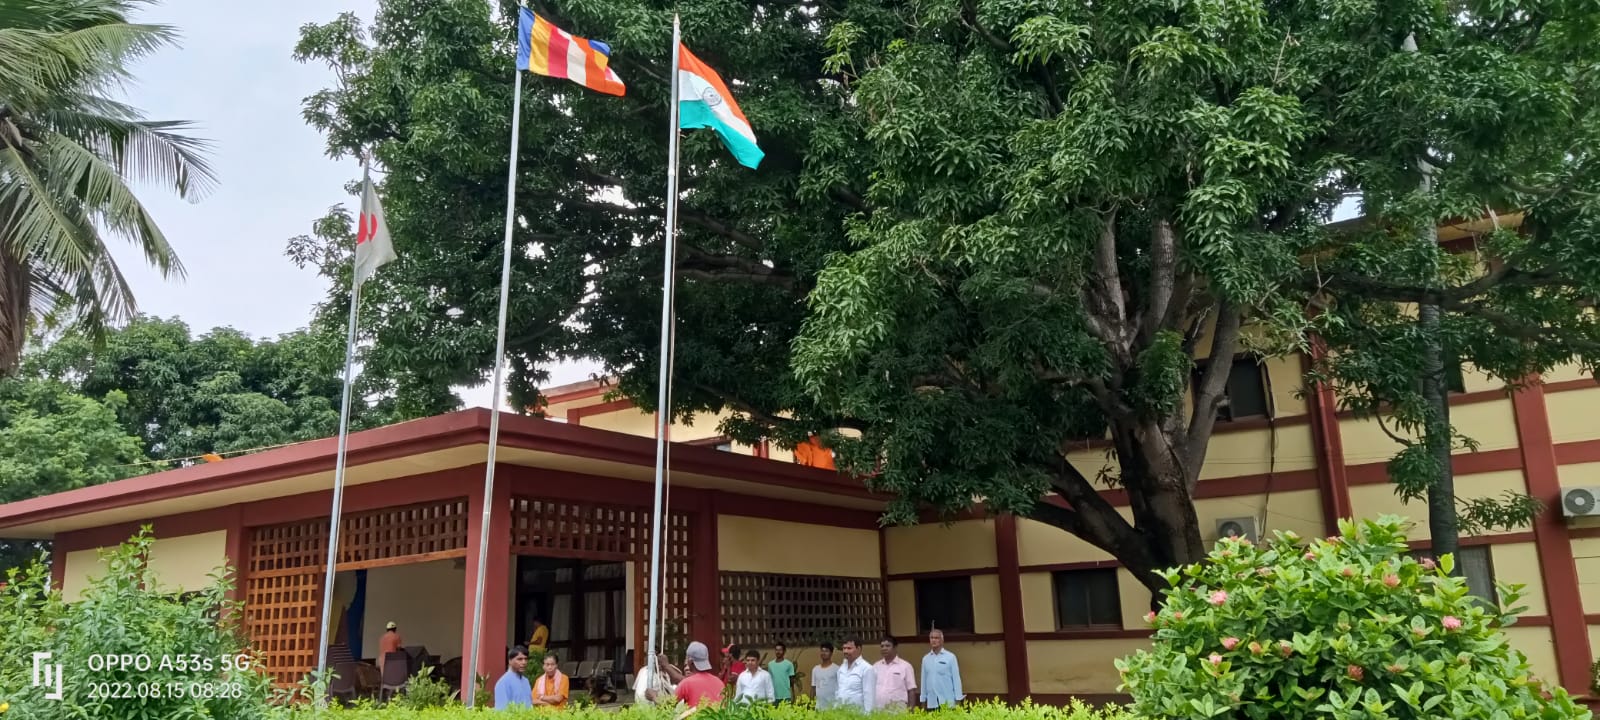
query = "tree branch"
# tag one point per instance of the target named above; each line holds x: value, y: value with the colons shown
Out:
x: 775, y: 421
x: 1163, y: 272
x: 1213, y: 385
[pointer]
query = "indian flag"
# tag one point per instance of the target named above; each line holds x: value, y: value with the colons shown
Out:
x: 704, y: 102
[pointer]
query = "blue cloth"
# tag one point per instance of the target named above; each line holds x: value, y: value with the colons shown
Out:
x: 941, y: 680
x: 513, y: 689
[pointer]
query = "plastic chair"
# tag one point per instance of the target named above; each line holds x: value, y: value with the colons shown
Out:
x: 395, y: 674
x: 585, y: 670
x: 569, y: 668
x: 343, y: 684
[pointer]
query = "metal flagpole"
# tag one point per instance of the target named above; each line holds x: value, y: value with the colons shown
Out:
x: 663, y: 406
x: 471, y: 665
x: 339, y: 461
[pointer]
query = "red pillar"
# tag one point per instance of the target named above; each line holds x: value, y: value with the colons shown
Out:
x: 1569, y: 630
x: 1016, y: 640
x: 238, y: 551
x: 491, y: 661
x: 705, y: 594
x: 1332, y: 481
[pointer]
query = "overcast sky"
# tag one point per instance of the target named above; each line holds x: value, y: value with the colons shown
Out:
x: 233, y: 76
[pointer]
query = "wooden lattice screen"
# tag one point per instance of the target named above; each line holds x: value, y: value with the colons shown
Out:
x: 760, y: 609
x: 283, y: 596
x: 283, y: 581
x: 676, y: 614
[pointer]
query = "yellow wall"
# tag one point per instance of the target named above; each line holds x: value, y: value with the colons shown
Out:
x: 186, y: 562
x: 82, y: 566
x: 1298, y: 511
x: 746, y: 544
x: 1491, y: 424
x: 1572, y: 414
x: 1076, y: 666
x: 631, y: 421
x: 986, y: 613
x: 1536, y: 643
x: 1371, y: 501
x: 934, y: 547
x: 1232, y: 454
x: 902, y: 607
x: 1570, y: 371
x: 425, y: 599
x: 1586, y: 555
x: 983, y: 664
x: 1041, y: 544
x: 1039, y: 602
x: 1518, y: 564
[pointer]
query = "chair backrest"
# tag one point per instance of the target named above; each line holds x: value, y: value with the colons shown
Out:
x: 344, y: 679
x: 569, y: 668
x: 605, y: 667
x: 395, y: 669
x: 367, y: 676
x: 585, y: 669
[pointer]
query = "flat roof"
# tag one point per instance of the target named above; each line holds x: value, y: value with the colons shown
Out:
x: 452, y: 440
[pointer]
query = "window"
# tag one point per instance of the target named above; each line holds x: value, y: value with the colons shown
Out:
x: 944, y: 603
x: 1087, y: 598
x: 1473, y: 564
x: 1245, y: 395
x: 759, y: 609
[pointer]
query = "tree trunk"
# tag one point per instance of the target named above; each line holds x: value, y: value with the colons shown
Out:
x: 15, y: 298
x: 1442, y: 522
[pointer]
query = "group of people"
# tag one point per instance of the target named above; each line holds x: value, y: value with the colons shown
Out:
x: 889, y: 684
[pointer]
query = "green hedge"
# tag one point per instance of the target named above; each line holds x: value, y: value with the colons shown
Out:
x: 971, y: 711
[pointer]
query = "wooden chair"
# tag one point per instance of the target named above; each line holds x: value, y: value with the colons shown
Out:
x: 396, y: 671
x: 367, y: 679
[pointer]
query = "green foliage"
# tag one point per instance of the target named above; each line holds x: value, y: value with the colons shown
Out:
x: 1346, y: 627
x: 185, y: 395
x: 968, y: 711
x: 68, y: 155
x: 984, y: 230
x: 424, y: 690
x: 126, y: 611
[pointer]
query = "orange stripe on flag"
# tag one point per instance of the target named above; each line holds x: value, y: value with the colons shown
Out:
x: 687, y: 61
x: 539, y: 46
x: 593, y: 72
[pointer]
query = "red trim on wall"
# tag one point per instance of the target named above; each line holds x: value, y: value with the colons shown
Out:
x: 1580, y: 451
x: 1011, y: 621
x: 1481, y: 540
x: 1566, y: 385
x: 1377, y: 473
x: 763, y: 449
x: 58, y: 567
x: 884, y: 577
x: 705, y: 596
x: 491, y: 661
x: 1107, y: 634
x: 238, y: 550
x: 1067, y: 567
x: 1333, y: 481
x: 1585, y: 532
x: 576, y: 415
x: 593, y: 391
x: 942, y: 574
x: 1560, y: 574
x: 1534, y: 621
x: 954, y: 637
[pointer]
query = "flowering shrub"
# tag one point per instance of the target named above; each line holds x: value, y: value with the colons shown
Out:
x: 1346, y: 627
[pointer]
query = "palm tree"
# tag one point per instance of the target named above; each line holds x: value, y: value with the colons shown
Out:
x: 67, y: 155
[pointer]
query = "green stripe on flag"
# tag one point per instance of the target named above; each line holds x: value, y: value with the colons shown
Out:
x: 695, y: 114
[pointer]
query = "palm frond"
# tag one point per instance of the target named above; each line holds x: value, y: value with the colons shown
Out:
x: 103, y: 194
x: 147, y: 151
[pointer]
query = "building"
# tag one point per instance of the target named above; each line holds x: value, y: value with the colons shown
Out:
x: 764, y: 548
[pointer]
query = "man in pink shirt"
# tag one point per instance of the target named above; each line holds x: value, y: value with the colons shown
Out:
x: 701, y: 686
x: 897, y: 680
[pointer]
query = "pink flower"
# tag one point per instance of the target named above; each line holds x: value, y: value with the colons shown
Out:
x: 1419, y: 632
x: 1334, y: 539
x: 1229, y: 643
x: 1396, y: 668
x: 1355, y: 672
x: 1245, y: 541
x: 1286, y: 648
x: 1263, y: 572
x: 1255, y: 648
x: 1428, y: 563
x: 1391, y: 580
x: 1177, y: 615
x: 1215, y: 659
x: 1311, y: 556
x: 1150, y: 617
x: 1451, y: 622
x: 1226, y: 553
x: 1347, y: 572
x: 1219, y: 597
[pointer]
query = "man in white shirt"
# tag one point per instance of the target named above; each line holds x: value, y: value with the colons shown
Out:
x: 755, y: 683
x: 660, y: 687
x: 857, y: 683
x: 825, y: 679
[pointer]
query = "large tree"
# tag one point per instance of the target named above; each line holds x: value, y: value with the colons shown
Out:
x: 68, y: 153
x: 985, y: 229
x: 220, y: 392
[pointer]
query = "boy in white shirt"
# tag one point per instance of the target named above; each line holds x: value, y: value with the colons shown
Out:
x: 825, y: 679
x: 755, y: 683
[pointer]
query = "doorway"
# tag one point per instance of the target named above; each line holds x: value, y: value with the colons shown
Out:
x: 582, y: 601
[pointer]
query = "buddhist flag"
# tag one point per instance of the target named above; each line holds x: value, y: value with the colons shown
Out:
x: 704, y: 102
x: 373, y: 247
x: 545, y: 49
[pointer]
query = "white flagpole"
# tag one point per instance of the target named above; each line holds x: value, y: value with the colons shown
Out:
x: 663, y: 398
x: 470, y: 668
x: 323, y: 636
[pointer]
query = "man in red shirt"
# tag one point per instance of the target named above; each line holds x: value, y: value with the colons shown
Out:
x: 701, y: 686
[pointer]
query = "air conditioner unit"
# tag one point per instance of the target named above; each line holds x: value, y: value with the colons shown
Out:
x: 1244, y: 527
x: 1580, y: 502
